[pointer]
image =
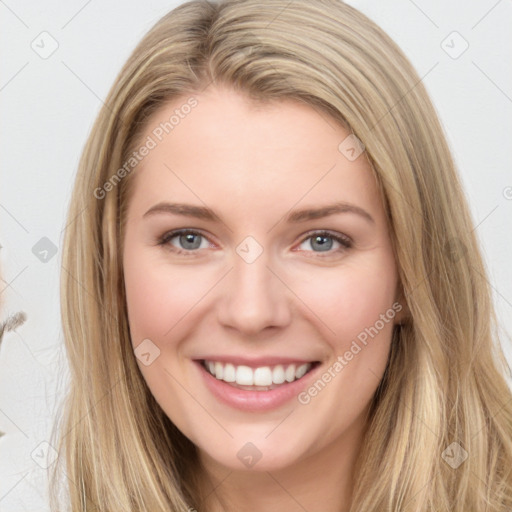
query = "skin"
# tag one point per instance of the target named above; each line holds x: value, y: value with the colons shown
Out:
x: 252, y: 165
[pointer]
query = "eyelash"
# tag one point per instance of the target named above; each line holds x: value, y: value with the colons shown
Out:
x: 343, y: 240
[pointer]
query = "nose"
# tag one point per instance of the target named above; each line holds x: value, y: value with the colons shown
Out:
x: 253, y: 299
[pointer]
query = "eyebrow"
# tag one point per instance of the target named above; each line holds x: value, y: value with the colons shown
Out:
x: 325, y: 211
x: 187, y: 210
x: 202, y: 212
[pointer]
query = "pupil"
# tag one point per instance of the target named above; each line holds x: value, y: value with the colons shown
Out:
x: 322, y: 243
x: 188, y: 242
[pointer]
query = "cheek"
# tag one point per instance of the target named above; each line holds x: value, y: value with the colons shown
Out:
x: 160, y: 303
x: 355, y: 306
x: 352, y: 298
x: 157, y: 299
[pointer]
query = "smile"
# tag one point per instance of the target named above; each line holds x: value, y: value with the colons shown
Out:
x: 261, y: 378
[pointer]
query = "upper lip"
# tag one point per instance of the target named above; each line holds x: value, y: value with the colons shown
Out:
x: 256, y: 362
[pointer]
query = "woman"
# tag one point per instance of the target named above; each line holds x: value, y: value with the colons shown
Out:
x: 272, y: 295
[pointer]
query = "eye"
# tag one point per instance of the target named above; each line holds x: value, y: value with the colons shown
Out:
x: 326, y: 242
x: 184, y: 240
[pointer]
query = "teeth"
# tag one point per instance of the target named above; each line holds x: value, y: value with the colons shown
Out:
x: 219, y: 370
x: 229, y: 373
x: 262, y: 376
x: 244, y: 375
x: 289, y: 373
x: 301, y: 371
x: 278, y: 376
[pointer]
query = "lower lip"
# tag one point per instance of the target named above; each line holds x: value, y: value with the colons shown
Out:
x: 255, y: 401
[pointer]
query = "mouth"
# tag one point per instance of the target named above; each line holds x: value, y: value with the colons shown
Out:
x: 260, y: 378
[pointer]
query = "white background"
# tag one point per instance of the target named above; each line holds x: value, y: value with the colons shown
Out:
x: 48, y: 107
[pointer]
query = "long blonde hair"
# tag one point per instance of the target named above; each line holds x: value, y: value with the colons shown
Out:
x: 443, y: 397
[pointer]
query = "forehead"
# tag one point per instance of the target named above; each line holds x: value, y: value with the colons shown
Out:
x: 228, y: 147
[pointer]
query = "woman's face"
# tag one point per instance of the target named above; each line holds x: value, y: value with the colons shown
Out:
x: 256, y: 241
